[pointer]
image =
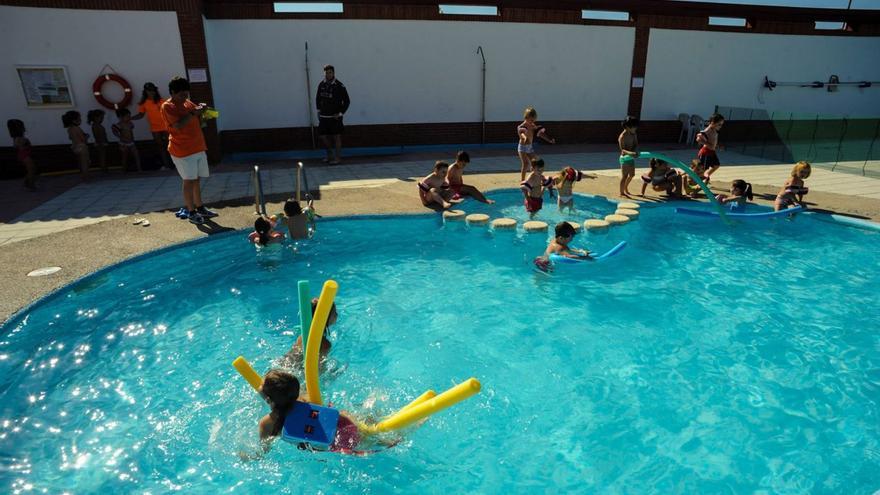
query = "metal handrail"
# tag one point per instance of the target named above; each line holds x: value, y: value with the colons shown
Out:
x: 259, y: 201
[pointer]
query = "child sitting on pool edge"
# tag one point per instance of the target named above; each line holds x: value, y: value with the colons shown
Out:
x: 533, y: 188
x: 434, y: 189
x: 740, y: 191
x: 264, y: 233
x: 662, y: 177
x: 564, y: 233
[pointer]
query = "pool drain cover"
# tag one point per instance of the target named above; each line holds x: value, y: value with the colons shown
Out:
x: 42, y: 272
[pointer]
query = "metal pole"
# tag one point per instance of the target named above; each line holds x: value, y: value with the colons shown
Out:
x: 299, y: 168
x: 259, y: 203
x: 483, y: 98
x: 840, y: 143
x: 871, y: 147
x: 309, y: 96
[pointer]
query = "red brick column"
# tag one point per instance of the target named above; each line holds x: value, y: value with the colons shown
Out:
x: 639, y: 62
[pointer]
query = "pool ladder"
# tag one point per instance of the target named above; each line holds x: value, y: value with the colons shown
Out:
x: 301, y: 187
x: 259, y: 200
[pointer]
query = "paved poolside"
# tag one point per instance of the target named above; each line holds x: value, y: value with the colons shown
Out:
x: 91, y: 203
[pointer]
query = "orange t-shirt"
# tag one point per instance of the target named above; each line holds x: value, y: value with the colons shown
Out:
x: 154, y: 115
x: 187, y: 140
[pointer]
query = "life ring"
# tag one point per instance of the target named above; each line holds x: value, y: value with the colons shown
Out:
x: 99, y: 83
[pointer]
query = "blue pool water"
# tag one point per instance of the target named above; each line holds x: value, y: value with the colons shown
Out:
x: 702, y: 359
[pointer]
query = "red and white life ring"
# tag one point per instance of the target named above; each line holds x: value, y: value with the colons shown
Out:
x: 99, y: 83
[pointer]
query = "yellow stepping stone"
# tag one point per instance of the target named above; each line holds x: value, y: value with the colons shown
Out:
x: 616, y: 219
x: 504, y: 223
x: 535, y: 226
x: 456, y: 215
x: 596, y: 224
x: 477, y: 219
x: 632, y: 214
x: 628, y: 206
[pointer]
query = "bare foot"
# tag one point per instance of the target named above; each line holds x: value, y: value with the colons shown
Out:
x: 447, y: 205
x: 490, y: 201
x: 456, y: 200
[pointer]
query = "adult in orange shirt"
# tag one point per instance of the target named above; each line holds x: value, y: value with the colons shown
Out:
x: 150, y: 106
x: 186, y: 145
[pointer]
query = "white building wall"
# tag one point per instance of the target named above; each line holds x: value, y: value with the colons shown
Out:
x: 418, y: 71
x: 141, y: 46
x: 692, y: 71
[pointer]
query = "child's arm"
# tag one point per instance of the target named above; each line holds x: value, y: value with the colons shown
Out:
x: 523, y: 135
x: 542, y: 133
x: 620, y: 144
x: 702, y: 139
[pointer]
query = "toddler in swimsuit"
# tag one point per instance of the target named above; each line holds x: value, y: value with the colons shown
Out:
x: 708, y: 137
x: 793, y: 191
x: 564, y: 233
x: 628, y: 142
x: 661, y: 177
x: 740, y: 192
x: 23, y: 152
x: 78, y: 141
x: 264, y: 232
x: 124, y: 130
x: 527, y: 131
x: 564, y: 183
x: 533, y: 188
x: 434, y: 189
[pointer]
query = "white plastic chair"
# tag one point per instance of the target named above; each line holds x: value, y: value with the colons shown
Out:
x: 685, y: 126
x: 696, y: 126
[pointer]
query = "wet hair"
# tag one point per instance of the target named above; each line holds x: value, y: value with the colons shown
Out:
x: 16, y: 128
x: 292, y: 208
x: 329, y: 67
x: 440, y: 164
x: 630, y: 122
x: 151, y: 87
x: 697, y: 165
x: 745, y: 187
x: 93, y: 115
x: 178, y: 84
x: 69, y: 118
x: 564, y: 229
x: 263, y: 227
x: 537, y: 163
x: 801, y: 165
x: 463, y: 157
x: 281, y: 390
x: 530, y: 112
x: 122, y: 112
x: 715, y: 118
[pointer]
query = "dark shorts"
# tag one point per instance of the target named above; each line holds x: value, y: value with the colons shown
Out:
x: 708, y: 158
x: 534, y: 204
x: 329, y: 126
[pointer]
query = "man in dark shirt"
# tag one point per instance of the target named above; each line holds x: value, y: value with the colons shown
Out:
x: 332, y: 101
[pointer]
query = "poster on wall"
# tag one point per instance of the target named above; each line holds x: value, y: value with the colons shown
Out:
x: 45, y: 86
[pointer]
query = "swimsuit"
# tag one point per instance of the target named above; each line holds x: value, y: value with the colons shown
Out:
x: 659, y: 180
x: 23, y: 152
x: 533, y: 205
x: 565, y: 199
x: 525, y: 148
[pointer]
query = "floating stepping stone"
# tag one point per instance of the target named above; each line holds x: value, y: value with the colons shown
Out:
x: 576, y: 225
x: 535, y: 226
x: 477, y: 219
x: 456, y: 215
x: 504, y: 223
x: 628, y: 206
x: 616, y: 219
x: 596, y: 224
x: 632, y: 214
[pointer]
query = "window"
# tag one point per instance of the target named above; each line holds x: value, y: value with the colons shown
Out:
x: 830, y: 26
x: 468, y: 9
x: 605, y: 15
x: 728, y: 21
x: 308, y: 7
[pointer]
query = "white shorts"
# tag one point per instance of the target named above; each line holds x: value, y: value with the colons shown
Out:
x: 191, y: 167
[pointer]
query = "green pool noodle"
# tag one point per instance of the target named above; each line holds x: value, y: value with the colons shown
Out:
x: 305, y: 311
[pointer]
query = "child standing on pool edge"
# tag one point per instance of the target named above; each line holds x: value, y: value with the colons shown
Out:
x: 533, y: 188
x: 22, y: 147
x: 78, y: 141
x: 628, y: 142
x: 527, y: 132
x: 95, y: 119
x: 708, y: 137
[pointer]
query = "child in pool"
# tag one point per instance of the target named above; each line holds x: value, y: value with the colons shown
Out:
x: 690, y: 187
x: 264, y: 232
x: 95, y: 118
x: 793, y: 191
x: 564, y: 233
x: 662, y: 177
x: 78, y: 141
x: 455, y: 179
x: 740, y: 192
x: 564, y: 183
x: 527, y: 132
x: 282, y: 390
x: 300, y: 221
x: 628, y: 142
x: 533, y: 188
x: 294, y: 357
x: 434, y: 189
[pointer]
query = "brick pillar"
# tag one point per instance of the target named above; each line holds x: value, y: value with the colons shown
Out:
x: 195, y: 56
x: 639, y: 62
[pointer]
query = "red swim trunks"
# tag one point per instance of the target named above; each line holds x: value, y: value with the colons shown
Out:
x: 456, y: 190
x: 533, y: 204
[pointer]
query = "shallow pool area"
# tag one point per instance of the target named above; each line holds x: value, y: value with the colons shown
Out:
x: 704, y: 358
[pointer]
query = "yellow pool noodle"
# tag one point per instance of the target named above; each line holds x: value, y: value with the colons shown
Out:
x: 430, y: 394
x: 409, y: 415
x: 247, y: 371
x: 316, y: 334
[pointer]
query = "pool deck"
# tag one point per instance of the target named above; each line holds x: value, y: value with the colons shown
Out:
x: 82, y: 227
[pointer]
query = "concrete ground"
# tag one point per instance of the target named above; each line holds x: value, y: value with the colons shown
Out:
x: 83, y: 227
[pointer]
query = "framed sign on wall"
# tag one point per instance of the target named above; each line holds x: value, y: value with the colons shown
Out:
x: 45, y: 86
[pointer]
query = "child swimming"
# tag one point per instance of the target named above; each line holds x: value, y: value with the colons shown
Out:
x: 793, y: 191
x: 564, y: 233
x: 264, y: 232
x: 740, y: 192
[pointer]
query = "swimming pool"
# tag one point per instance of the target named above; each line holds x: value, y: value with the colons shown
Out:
x: 702, y: 359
